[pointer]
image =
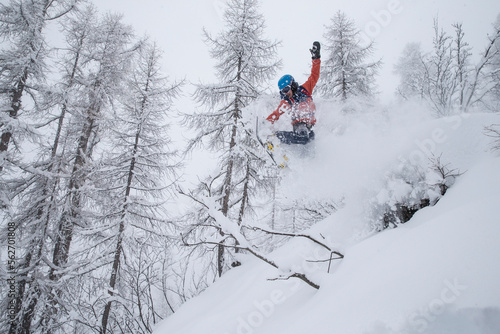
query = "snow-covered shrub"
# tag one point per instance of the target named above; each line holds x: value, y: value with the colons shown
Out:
x: 440, y: 176
x: 409, y: 188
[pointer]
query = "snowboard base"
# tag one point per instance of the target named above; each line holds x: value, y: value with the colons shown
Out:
x: 291, y: 137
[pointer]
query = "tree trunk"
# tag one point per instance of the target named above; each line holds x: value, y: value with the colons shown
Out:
x: 225, y: 200
x: 114, y: 274
x: 18, y: 91
x: 65, y: 231
x: 244, y: 196
x: 14, y: 109
x: 38, y: 243
x: 68, y: 218
x: 119, y: 246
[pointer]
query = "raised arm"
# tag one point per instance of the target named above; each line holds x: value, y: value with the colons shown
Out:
x: 313, y: 78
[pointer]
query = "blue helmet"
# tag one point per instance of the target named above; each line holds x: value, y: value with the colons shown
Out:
x: 285, y: 80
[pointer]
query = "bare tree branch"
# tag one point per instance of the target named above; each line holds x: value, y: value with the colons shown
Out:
x: 258, y: 255
x: 300, y: 235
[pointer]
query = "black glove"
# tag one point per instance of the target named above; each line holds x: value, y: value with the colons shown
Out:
x: 315, y: 51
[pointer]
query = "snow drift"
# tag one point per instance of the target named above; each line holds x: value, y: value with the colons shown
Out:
x: 438, y: 273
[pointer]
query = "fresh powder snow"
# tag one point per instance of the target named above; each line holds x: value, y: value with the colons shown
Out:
x: 437, y: 273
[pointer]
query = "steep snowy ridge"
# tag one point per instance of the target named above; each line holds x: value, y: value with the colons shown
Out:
x: 438, y: 273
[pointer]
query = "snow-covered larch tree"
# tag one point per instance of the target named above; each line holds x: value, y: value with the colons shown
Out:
x: 346, y: 71
x: 23, y: 59
x: 245, y: 61
x: 134, y: 180
x: 101, y: 80
x: 38, y: 189
x: 411, y: 70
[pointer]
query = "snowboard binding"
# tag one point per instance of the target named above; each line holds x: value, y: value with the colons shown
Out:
x: 301, y: 134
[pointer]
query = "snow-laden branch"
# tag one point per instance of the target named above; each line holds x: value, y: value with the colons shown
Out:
x: 296, y: 235
x: 230, y: 230
x: 258, y: 255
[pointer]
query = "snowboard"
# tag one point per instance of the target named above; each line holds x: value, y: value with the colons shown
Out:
x: 290, y: 137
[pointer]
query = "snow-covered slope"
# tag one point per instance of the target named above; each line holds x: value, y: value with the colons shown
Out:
x: 438, y: 273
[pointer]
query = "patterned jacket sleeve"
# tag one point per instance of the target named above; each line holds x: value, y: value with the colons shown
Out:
x: 275, y: 115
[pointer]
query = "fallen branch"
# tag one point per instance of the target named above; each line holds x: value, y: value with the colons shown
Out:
x: 300, y: 276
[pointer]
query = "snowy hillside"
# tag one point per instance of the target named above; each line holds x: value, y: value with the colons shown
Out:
x: 438, y: 273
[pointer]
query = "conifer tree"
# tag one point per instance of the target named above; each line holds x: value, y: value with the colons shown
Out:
x: 411, y: 69
x: 22, y: 60
x: 36, y: 194
x: 245, y: 60
x: 100, y: 79
x: 71, y: 185
x: 346, y: 71
x: 134, y: 179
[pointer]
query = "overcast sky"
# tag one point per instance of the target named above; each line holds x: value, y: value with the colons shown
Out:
x: 177, y: 28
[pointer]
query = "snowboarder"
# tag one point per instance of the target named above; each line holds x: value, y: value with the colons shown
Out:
x: 297, y: 100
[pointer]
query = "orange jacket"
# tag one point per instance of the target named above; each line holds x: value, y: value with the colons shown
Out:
x: 301, y: 105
